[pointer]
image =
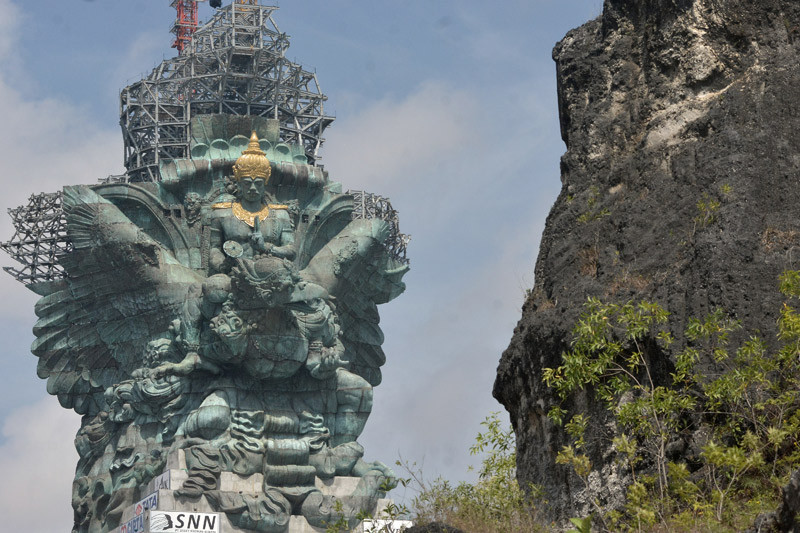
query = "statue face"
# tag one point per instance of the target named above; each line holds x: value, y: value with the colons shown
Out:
x: 192, y: 202
x: 251, y: 189
x: 158, y: 351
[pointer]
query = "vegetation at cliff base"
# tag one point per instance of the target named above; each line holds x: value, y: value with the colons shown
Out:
x: 494, y: 503
x: 707, y: 449
x: 705, y: 446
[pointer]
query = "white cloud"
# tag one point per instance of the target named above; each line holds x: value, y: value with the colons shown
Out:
x: 394, y: 144
x: 44, y: 145
x: 453, y: 175
x: 9, y: 21
x: 441, y: 366
x: 141, y: 56
x: 38, y: 463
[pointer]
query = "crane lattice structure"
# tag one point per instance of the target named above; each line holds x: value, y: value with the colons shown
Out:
x: 234, y: 64
x: 186, y: 23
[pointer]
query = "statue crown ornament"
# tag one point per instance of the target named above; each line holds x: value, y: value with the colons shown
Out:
x: 253, y: 162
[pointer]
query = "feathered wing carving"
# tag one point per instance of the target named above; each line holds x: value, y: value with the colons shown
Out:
x: 122, y: 290
x: 364, y: 274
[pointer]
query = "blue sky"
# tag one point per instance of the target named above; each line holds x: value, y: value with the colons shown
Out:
x: 448, y: 107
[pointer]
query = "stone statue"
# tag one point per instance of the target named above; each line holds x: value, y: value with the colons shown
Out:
x: 223, y: 319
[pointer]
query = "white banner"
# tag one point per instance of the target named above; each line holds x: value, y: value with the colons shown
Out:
x: 161, y: 482
x: 134, y: 525
x: 179, y: 522
x: 151, y: 502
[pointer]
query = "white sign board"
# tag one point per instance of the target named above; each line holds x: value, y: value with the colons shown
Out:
x: 151, y: 502
x: 161, y: 482
x: 134, y: 525
x: 182, y: 522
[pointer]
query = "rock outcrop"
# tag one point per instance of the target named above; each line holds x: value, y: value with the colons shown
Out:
x: 784, y: 518
x: 681, y: 185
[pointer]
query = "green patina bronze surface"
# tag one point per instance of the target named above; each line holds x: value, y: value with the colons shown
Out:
x: 251, y: 343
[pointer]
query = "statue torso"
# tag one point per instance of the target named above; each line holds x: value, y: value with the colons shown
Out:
x: 272, y: 227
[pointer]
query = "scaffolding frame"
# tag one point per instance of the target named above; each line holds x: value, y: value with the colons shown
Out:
x: 367, y: 205
x: 235, y: 64
x: 40, y: 239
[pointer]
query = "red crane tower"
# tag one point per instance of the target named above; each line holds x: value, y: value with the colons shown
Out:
x: 185, y: 23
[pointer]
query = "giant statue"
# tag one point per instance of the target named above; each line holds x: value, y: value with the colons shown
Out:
x: 212, y: 313
x: 231, y: 341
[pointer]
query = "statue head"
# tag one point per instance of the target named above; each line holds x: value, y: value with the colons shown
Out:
x: 157, y: 352
x: 268, y: 283
x: 252, y: 171
x: 251, y: 189
x: 192, y: 204
x: 228, y: 324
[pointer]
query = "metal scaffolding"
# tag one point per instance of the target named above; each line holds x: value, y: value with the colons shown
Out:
x: 368, y: 205
x: 41, y: 235
x: 235, y: 64
x: 39, y: 240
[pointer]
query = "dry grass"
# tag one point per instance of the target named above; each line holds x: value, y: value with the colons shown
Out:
x: 629, y: 281
x: 773, y: 239
x: 589, y: 260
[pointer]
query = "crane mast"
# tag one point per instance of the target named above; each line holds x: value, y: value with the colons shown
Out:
x: 185, y: 23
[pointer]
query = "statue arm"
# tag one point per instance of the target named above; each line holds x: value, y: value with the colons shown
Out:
x: 216, y: 257
x: 323, y: 361
x: 285, y: 247
x: 190, y: 363
x: 288, y: 247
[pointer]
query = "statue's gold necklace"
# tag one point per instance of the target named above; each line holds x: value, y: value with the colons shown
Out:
x: 246, y: 216
x: 249, y: 217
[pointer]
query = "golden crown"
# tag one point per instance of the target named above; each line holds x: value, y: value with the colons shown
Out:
x: 253, y: 162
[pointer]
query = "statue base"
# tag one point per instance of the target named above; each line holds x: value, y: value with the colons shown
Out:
x: 199, y: 515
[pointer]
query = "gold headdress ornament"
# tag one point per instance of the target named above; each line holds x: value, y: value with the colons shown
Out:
x: 253, y: 162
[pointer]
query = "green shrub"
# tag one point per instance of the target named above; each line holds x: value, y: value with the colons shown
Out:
x: 494, y: 503
x: 744, y: 399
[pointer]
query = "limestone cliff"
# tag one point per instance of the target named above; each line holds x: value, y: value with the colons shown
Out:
x: 680, y: 185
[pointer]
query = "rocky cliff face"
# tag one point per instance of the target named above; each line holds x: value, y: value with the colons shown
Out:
x: 681, y: 185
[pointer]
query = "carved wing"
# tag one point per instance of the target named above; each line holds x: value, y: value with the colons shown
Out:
x: 122, y: 290
x: 357, y: 269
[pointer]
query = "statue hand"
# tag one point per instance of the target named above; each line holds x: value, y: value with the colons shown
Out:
x: 161, y: 370
x: 256, y: 238
x: 328, y: 363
